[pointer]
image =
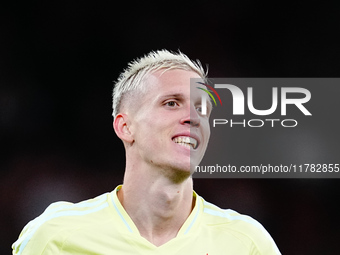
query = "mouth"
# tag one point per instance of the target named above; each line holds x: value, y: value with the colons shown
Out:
x: 186, y: 141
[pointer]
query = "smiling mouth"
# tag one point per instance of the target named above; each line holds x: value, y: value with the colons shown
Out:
x: 186, y: 141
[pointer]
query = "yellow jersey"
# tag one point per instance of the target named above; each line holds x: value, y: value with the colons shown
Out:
x: 101, y: 226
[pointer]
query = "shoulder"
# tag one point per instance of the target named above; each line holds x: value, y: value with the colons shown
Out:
x: 57, y: 219
x: 242, y: 227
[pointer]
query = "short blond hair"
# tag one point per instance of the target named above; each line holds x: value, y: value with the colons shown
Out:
x: 131, y: 78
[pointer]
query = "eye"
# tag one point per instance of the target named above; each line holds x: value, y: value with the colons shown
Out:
x: 171, y: 103
x: 200, y: 111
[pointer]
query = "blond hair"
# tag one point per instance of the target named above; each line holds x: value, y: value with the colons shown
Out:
x: 131, y: 78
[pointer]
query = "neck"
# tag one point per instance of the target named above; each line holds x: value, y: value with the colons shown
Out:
x: 156, y: 204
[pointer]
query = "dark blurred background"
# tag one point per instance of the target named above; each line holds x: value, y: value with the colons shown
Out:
x: 57, y: 63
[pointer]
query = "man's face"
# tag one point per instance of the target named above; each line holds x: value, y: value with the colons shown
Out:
x: 167, y: 127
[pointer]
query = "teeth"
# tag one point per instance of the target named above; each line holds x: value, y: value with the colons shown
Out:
x: 186, y: 141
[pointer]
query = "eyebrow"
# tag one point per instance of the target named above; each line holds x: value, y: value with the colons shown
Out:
x: 181, y: 97
x: 175, y: 95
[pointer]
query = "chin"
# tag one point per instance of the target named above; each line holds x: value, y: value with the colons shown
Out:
x: 179, y: 172
x: 185, y: 168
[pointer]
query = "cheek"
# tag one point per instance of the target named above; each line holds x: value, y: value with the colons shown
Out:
x: 205, y: 131
x: 152, y: 131
x: 205, y: 127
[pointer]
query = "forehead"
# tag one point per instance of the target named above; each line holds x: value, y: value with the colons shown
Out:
x: 175, y: 81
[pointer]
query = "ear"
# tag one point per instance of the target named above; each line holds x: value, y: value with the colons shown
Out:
x: 121, y: 127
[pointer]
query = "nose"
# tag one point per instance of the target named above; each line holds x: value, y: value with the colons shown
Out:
x: 191, y: 117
